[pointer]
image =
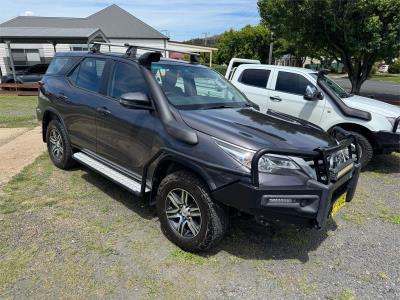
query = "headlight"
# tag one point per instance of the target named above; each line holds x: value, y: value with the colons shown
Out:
x: 241, y: 155
x: 270, y: 162
x: 267, y: 163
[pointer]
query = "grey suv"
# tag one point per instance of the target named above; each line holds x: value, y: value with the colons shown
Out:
x: 182, y: 136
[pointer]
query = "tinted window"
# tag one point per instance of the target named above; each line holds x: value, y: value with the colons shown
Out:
x: 255, y: 77
x: 126, y: 78
x: 88, y: 74
x: 59, y: 64
x: 291, y: 83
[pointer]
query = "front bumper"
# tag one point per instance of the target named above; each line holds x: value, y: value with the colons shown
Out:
x: 309, y: 205
x: 386, y: 141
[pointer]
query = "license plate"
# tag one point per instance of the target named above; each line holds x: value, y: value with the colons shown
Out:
x: 339, y: 203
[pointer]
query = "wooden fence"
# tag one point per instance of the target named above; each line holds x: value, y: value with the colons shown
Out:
x: 19, y: 89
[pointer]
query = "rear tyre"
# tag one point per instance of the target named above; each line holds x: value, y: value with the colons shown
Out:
x: 58, y: 145
x: 365, y: 149
x: 189, y: 217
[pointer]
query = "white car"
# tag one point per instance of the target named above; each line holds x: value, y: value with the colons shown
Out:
x: 311, y: 96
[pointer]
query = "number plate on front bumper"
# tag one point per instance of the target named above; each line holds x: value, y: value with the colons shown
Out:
x: 338, y: 204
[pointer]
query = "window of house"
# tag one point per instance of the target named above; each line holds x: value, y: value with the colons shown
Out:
x: 255, y: 77
x: 25, y: 57
x: 126, y: 78
x: 291, y: 83
x: 88, y: 74
x: 79, y: 48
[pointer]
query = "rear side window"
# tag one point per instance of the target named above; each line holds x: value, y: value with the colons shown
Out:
x: 59, y: 65
x: 255, y: 77
x: 126, y: 78
x: 291, y: 83
x: 88, y: 74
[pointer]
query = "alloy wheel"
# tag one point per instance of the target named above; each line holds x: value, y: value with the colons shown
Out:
x: 56, y: 144
x: 183, y: 213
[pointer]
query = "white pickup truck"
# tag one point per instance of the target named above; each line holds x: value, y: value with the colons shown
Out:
x: 310, y: 95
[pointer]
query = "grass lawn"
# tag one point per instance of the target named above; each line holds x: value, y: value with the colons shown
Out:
x: 386, y: 77
x: 74, y: 234
x: 18, y: 111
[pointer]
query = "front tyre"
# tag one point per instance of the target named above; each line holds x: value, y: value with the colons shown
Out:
x: 188, y: 216
x: 365, y: 149
x: 58, y: 145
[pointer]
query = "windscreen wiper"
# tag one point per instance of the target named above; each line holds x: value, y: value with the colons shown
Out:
x: 219, y: 106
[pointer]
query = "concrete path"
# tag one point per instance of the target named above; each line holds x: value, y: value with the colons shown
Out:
x: 16, y: 154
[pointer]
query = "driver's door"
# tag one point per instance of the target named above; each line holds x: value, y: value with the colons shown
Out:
x: 287, y: 96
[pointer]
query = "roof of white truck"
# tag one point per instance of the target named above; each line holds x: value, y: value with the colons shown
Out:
x: 304, y: 70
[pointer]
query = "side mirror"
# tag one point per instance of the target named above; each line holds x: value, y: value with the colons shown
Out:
x: 135, y: 100
x: 312, y: 93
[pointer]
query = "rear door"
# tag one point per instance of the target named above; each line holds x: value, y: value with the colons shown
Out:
x: 125, y: 135
x: 253, y: 82
x: 80, y: 101
x: 287, y: 96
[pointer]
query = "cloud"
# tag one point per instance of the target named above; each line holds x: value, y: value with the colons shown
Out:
x: 184, y: 19
x: 28, y: 13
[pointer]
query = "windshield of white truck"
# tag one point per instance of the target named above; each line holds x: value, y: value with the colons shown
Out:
x: 337, y: 89
x: 196, y: 87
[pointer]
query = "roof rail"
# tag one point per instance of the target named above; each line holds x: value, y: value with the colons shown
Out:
x: 131, y: 50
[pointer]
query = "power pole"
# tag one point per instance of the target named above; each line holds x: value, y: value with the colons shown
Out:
x: 205, y: 38
x: 271, y: 46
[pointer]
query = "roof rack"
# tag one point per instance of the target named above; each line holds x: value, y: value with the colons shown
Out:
x: 131, y: 50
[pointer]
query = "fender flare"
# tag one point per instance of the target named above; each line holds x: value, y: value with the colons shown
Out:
x: 190, y: 165
x: 54, y: 111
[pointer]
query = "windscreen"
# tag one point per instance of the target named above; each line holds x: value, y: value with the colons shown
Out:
x: 196, y: 87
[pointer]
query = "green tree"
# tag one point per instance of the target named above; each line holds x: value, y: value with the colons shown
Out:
x: 356, y: 32
x: 249, y: 42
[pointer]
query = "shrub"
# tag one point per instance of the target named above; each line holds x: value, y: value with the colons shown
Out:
x: 394, y: 68
x: 374, y: 69
x: 220, y: 69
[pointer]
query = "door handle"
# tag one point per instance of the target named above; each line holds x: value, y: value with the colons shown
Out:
x: 276, y: 98
x: 62, y: 97
x: 104, y: 111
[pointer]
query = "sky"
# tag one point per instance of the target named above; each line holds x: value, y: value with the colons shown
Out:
x: 180, y: 19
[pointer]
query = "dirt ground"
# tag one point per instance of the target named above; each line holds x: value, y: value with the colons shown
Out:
x: 19, y: 147
x: 8, y: 134
x: 73, y: 234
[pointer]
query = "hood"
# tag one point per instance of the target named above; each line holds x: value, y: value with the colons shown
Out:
x: 249, y: 128
x: 372, y: 106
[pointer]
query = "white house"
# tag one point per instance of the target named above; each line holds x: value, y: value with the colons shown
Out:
x: 33, y: 40
x: 116, y: 24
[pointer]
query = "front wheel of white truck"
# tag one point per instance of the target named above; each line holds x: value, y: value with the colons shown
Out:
x: 365, y: 149
x: 188, y: 216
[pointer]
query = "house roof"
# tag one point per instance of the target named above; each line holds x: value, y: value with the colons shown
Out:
x: 113, y: 21
x: 50, y: 34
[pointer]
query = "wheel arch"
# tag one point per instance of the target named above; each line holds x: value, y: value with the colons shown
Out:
x: 48, y: 116
x: 169, y: 164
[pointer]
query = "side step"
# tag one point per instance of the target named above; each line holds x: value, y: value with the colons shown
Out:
x: 130, y: 184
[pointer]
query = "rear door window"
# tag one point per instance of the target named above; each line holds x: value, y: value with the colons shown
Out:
x: 88, y: 74
x: 255, y: 77
x: 126, y: 78
x: 292, y: 83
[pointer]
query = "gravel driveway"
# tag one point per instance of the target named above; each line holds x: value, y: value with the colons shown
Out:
x: 76, y: 235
